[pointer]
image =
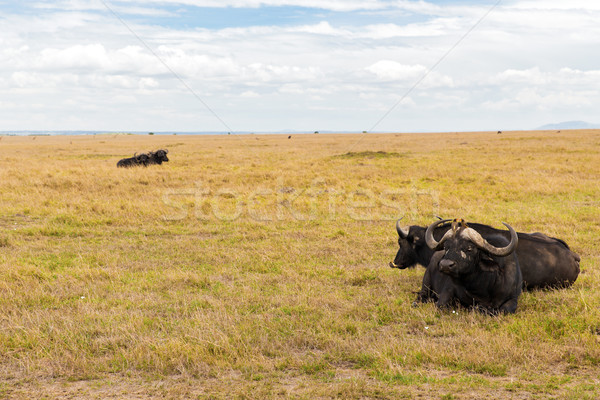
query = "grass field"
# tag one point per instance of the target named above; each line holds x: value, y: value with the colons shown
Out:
x: 256, y: 267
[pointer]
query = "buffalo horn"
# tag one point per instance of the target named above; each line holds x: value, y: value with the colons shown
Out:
x: 480, y: 242
x: 402, y: 232
x: 431, y: 242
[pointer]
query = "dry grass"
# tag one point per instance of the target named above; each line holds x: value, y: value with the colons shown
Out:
x: 256, y: 267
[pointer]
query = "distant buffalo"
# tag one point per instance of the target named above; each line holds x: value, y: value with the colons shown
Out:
x: 144, y: 159
x: 136, y: 160
x: 158, y: 157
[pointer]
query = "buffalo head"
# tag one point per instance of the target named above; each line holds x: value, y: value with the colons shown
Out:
x: 159, y: 156
x: 465, y: 248
x: 408, y: 240
x: 162, y: 154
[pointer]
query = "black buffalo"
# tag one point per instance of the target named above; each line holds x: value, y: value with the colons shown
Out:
x: 545, y: 262
x: 158, y: 157
x: 136, y: 160
x: 472, y: 271
x: 145, y: 159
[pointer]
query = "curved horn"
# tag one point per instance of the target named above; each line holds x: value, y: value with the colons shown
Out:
x: 166, y: 151
x: 431, y: 242
x: 402, y: 232
x: 476, y: 238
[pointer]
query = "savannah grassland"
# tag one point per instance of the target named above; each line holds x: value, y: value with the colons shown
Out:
x: 257, y: 267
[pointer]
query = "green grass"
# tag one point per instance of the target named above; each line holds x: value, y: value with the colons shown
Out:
x: 256, y: 267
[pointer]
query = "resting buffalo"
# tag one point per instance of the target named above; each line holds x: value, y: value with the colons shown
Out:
x: 145, y: 159
x: 545, y: 262
x: 158, y: 157
x: 472, y: 271
x: 137, y: 159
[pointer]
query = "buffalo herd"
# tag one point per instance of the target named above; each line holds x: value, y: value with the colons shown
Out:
x: 481, y: 267
x: 144, y: 159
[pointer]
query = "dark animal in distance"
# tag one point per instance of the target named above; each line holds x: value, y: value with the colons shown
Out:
x: 472, y: 271
x: 158, y: 157
x: 144, y: 159
x: 136, y: 160
x: 545, y: 262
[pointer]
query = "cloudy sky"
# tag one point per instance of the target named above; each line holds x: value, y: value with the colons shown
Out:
x: 272, y: 65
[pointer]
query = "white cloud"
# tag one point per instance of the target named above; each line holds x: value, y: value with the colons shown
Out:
x: 190, y: 65
x: 557, y: 5
x: 590, y: 79
x: 124, y: 99
x: 392, y: 70
x: 322, y: 28
x: 334, y: 5
x: 386, y: 31
x: 534, y: 99
x: 26, y: 79
x: 280, y: 73
x: 249, y: 94
x: 92, y: 56
x: 558, y: 78
x: 292, y: 88
x: 532, y: 76
x: 388, y: 71
x: 148, y: 83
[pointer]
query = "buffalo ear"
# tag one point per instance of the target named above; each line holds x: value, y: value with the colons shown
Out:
x: 418, y: 235
x: 487, y: 263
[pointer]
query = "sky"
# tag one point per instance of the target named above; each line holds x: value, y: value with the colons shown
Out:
x: 298, y: 65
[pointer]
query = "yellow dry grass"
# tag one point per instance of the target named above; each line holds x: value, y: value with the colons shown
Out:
x: 256, y: 267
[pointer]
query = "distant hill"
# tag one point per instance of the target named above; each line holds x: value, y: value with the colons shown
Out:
x: 570, y: 125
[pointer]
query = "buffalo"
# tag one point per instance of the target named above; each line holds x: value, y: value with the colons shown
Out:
x: 545, y: 262
x: 136, y: 160
x: 158, y: 157
x: 144, y: 159
x: 472, y: 271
